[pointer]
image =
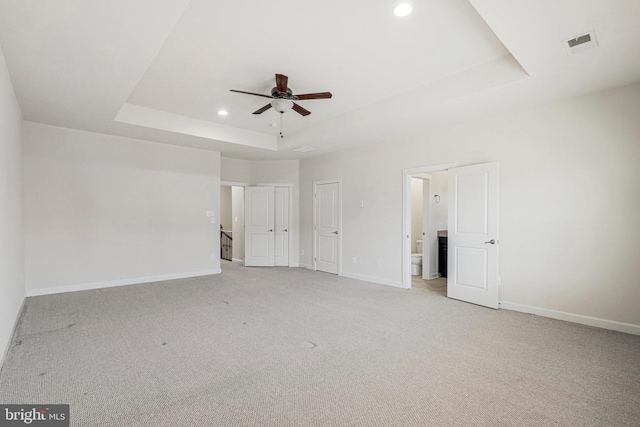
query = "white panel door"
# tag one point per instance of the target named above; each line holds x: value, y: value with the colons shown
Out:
x: 281, y: 226
x: 259, y: 227
x: 327, y: 227
x: 472, y: 268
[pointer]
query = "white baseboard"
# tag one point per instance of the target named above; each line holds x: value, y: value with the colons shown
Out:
x: 13, y: 332
x: 575, y: 318
x: 294, y: 265
x: 370, y: 279
x: 307, y: 266
x: 122, y: 282
x: 241, y: 261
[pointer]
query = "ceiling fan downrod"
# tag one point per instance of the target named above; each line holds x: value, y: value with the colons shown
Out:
x: 281, y: 134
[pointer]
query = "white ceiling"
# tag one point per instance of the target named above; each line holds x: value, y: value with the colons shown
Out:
x: 161, y: 69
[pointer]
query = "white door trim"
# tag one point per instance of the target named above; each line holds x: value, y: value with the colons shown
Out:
x: 233, y: 184
x: 406, y: 215
x: 315, y: 233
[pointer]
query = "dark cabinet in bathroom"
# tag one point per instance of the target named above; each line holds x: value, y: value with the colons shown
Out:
x: 442, y: 253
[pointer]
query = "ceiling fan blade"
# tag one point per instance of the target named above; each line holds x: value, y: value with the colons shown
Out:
x: 251, y: 93
x: 319, y: 95
x: 263, y: 109
x: 298, y: 109
x: 281, y: 83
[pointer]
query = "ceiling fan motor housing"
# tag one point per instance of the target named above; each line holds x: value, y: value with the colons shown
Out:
x: 282, y: 95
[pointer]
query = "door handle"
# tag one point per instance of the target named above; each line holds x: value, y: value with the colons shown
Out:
x: 492, y: 242
x: 335, y: 232
x: 285, y: 230
x: 270, y: 230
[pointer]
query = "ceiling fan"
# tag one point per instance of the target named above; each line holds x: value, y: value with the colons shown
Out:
x: 282, y: 97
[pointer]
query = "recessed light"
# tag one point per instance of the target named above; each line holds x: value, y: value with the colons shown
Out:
x: 403, y: 9
x: 223, y: 113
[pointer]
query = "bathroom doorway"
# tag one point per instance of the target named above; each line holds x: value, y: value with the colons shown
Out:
x: 425, y: 212
x: 472, y: 237
x: 429, y: 224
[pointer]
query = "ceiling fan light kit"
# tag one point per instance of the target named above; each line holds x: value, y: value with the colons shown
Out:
x: 282, y: 105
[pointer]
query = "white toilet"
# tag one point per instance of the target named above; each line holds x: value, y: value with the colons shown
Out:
x: 416, y: 260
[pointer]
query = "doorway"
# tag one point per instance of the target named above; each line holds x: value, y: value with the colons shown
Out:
x: 429, y: 224
x: 472, y: 231
x: 232, y: 220
x: 432, y: 218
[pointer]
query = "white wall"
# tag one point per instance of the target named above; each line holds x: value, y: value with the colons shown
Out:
x: 283, y: 172
x: 226, y: 207
x: 11, y: 247
x: 439, y: 211
x: 235, y: 170
x: 438, y: 214
x: 417, y: 211
x: 569, y: 200
x: 101, y: 210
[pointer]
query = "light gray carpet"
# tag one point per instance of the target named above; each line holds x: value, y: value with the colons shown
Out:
x: 290, y: 347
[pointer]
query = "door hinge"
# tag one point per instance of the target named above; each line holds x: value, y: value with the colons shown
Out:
x: 315, y: 259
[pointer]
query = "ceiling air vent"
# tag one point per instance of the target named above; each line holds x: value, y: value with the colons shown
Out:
x: 581, y: 43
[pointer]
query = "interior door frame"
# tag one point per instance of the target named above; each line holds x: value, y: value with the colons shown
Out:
x: 290, y: 187
x: 315, y: 219
x: 237, y: 184
x: 407, y: 174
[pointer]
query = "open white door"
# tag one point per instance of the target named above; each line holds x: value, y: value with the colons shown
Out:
x: 281, y: 226
x: 259, y: 241
x: 326, y: 222
x: 473, y: 234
